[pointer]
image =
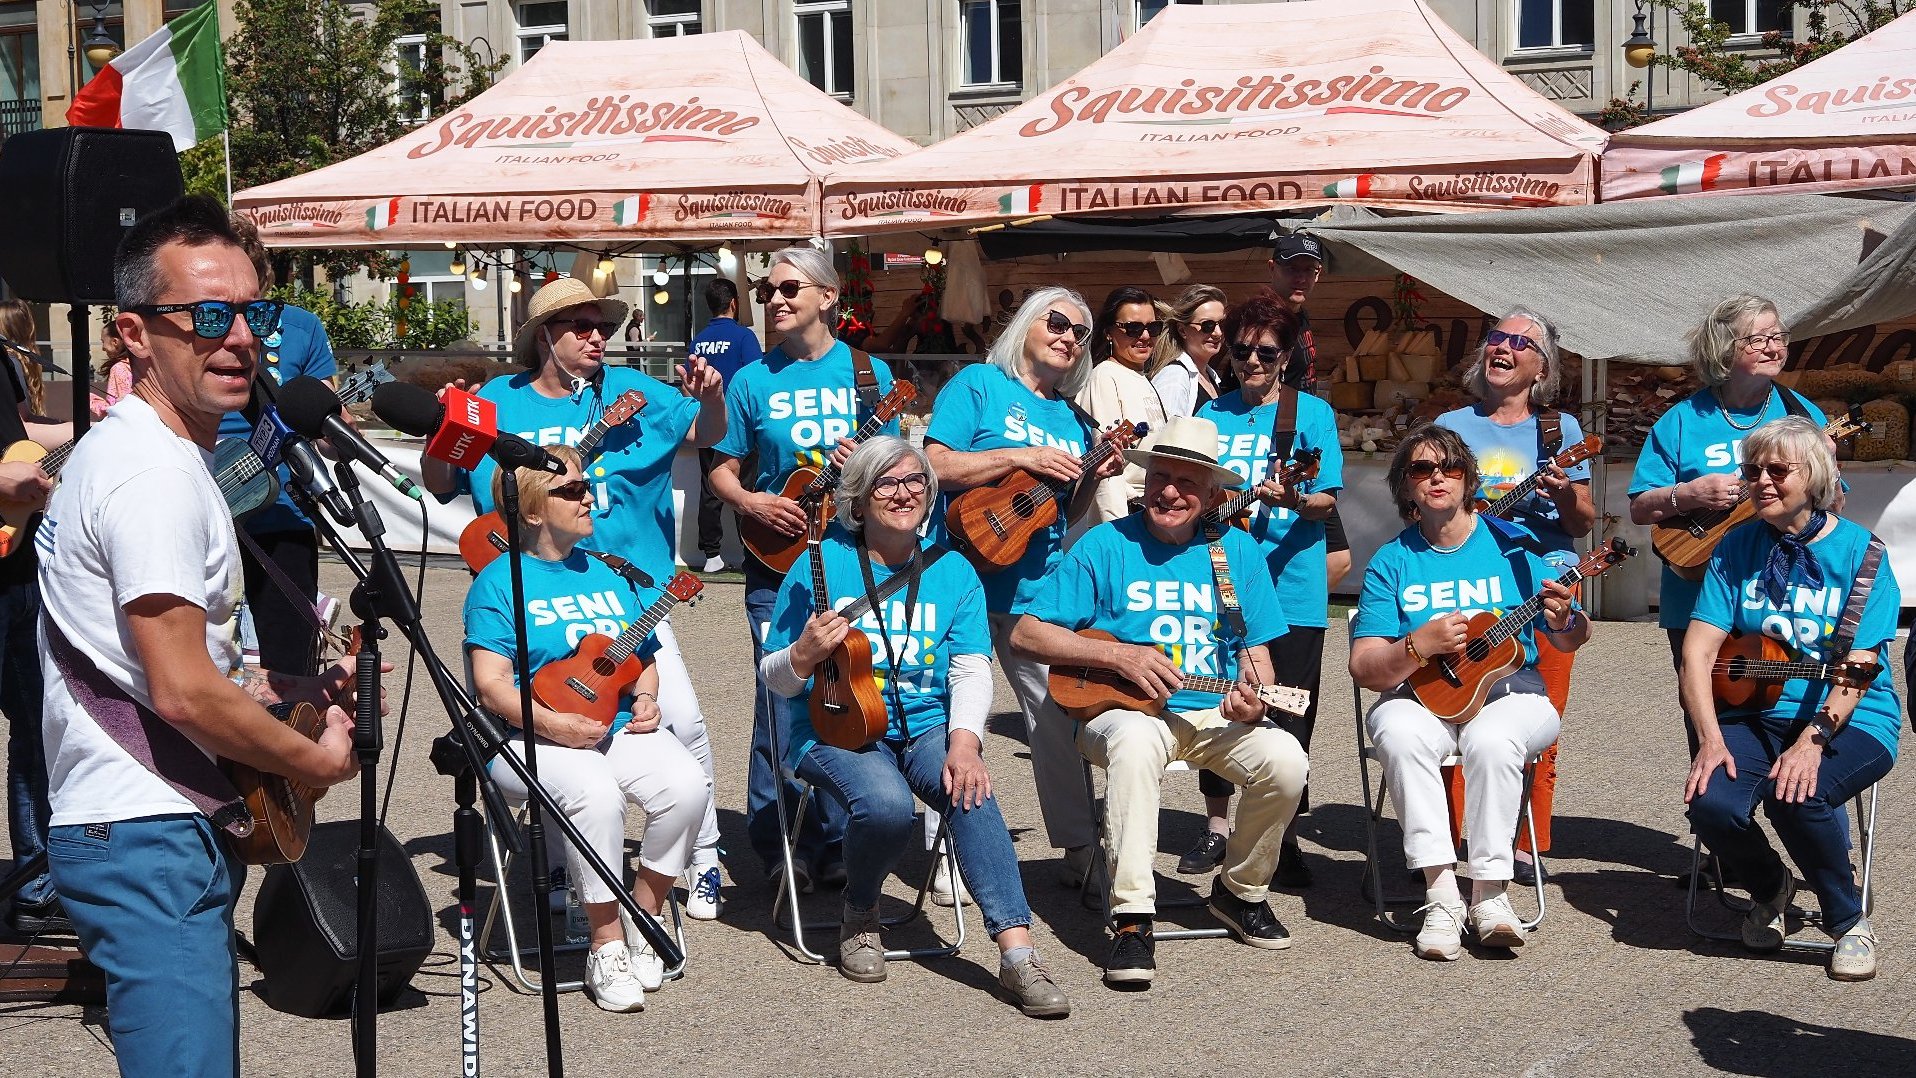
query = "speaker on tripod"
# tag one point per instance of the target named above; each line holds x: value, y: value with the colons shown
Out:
x: 306, y: 920
x: 72, y: 192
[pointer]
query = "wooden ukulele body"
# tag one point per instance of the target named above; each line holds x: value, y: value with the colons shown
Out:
x: 1084, y: 692
x: 777, y: 550
x: 993, y: 525
x: 1733, y: 684
x: 482, y: 540
x: 1685, y: 546
x: 282, y: 809
x: 587, y: 682
x: 846, y: 707
x: 1453, y: 687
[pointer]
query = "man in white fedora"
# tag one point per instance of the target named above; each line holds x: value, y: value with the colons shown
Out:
x: 1150, y: 581
x: 564, y: 389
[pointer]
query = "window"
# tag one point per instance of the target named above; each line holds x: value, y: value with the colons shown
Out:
x: 683, y: 312
x: 539, y: 23
x: 409, y: 59
x: 1146, y: 9
x: 1751, y: 17
x: 825, y: 44
x: 19, y: 70
x: 1556, y: 24
x: 672, y: 18
x: 429, y: 275
x: 994, y: 42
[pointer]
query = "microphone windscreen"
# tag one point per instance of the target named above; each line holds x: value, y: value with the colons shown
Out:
x: 305, y: 403
x: 407, y: 408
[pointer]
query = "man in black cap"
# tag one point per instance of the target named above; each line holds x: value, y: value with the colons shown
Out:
x: 1297, y: 264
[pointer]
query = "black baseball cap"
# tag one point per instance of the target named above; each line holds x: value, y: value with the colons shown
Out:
x: 1297, y: 245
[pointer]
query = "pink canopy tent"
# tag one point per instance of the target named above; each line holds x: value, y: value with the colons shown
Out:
x: 697, y: 138
x: 1845, y: 122
x: 1247, y: 107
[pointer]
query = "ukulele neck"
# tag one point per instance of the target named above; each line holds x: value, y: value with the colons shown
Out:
x: 1513, y: 622
x: 636, y: 633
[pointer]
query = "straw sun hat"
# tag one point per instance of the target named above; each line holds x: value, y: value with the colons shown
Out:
x: 550, y: 300
x: 1188, y: 439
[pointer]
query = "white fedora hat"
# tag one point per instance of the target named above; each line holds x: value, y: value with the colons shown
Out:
x: 1189, y: 439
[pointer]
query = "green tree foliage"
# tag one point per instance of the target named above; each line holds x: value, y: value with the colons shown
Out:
x: 375, y: 324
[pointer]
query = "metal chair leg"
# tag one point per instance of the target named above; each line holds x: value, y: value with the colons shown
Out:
x: 1101, y: 864
x: 1866, y: 826
x: 514, y: 952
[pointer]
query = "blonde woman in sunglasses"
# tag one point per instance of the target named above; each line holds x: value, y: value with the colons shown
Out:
x: 1182, y: 368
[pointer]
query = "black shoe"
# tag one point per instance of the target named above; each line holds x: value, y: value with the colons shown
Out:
x: 1711, y: 873
x: 1250, y: 922
x: 1524, y: 873
x: 775, y: 877
x: 39, y: 918
x: 1203, y: 857
x: 831, y: 874
x: 1133, y: 960
x: 1292, y: 873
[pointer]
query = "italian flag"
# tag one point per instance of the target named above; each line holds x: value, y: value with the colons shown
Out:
x: 630, y: 210
x: 1022, y: 199
x: 1692, y: 176
x: 382, y: 215
x: 173, y: 81
x: 1351, y: 187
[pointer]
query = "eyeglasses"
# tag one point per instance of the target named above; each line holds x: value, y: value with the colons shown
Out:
x: 575, y: 491
x: 788, y: 289
x: 1206, y: 327
x: 1420, y: 470
x: 1059, y: 325
x: 1135, y: 330
x: 1756, y: 342
x: 886, y: 486
x: 1266, y: 353
x: 213, y: 318
x: 585, y: 327
x: 1517, y: 341
x: 1777, y: 470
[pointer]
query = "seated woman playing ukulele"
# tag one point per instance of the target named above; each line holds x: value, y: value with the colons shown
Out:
x: 1787, y: 576
x: 931, y: 647
x: 1419, y: 593
x: 592, y: 769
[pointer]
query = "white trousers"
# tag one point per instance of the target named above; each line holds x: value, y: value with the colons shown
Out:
x: 1413, y: 743
x: 1055, y: 764
x: 679, y: 712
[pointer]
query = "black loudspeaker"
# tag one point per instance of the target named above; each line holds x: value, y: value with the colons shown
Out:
x: 71, y: 193
x: 306, y: 920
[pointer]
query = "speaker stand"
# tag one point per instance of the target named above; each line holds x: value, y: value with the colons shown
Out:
x: 78, y: 319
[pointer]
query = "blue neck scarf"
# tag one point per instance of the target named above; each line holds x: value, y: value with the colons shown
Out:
x: 1792, y: 563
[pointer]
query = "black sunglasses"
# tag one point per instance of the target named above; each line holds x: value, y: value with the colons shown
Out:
x: 586, y: 327
x: 1268, y: 354
x: 788, y: 289
x: 1517, y: 341
x: 1777, y: 470
x: 213, y: 318
x: 1059, y: 325
x: 1206, y: 327
x: 575, y: 491
x: 1420, y: 470
x: 1135, y: 330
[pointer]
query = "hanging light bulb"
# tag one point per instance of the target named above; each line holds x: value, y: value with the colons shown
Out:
x: 933, y: 256
x: 660, y: 277
x: 661, y: 297
x: 513, y: 284
x: 479, y: 278
x: 458, y: 267
x: 606, y: 265
x: 725, y: 250
x: 452, y: 245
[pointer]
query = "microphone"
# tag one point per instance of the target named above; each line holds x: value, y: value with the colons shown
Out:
x: 313, y: 411
x: 461, y: 431
x: 309, y: 471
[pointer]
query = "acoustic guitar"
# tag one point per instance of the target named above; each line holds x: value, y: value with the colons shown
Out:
x: 846, y: 707
x: 811, y: 486
x: 484, y: 537
x: 1686, y: 541
x: 1235, y: 509
x: 1084, y: 692
x: 1506, y: 504
x: 602, y: 669
x: 17, y: 516
x: 1750, y: 670
x: 993, y: 525
x: 1453, y: 687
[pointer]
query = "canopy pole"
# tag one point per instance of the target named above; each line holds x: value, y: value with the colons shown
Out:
x: 226, y: 153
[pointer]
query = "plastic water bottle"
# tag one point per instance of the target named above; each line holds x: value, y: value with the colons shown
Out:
x: 577, y: 928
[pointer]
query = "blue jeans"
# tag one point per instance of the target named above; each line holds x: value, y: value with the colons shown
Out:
x: 1814, y: 832
x: 20, y: 687
x: 875, y: 786
x: 152, y: 902
x: 824, y: 830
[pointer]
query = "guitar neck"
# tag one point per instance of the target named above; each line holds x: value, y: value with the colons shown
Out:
x: 1502, y: 507
x: 589, y: 444
x: 821, y: 599
x: 828, y: 474
x: 636, y: 633
x: 50, y: 463
x: 1781, y: 670
x: 1237, y: 503
x: 1513, y: 622
x: 1200, y: 683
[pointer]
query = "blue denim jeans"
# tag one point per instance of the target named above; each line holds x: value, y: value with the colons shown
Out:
x: 824, y: 831
x: 152, y: 902
x: 20, y: 687
x: 1814, y: 832
x: 875, y: 785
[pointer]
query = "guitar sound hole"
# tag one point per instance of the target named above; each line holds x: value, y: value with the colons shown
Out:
x: 1477, y: 650
x: 604, y: 667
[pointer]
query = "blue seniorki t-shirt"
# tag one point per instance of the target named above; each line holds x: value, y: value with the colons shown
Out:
x: 1506, y: 456
x: 727, y: 346
x: 1121, y: 579
x: 948, y: 619
x: 1732, y: 598
x: 300, y: 349
x: 984, y: 408
x: 1409, y: 582
x: 1294, y: 547
x: 631, y: 475
x: 1696, y: 438
x: 565, y: 602
x: 779, y: 406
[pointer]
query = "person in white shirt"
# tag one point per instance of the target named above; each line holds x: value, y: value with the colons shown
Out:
x: 1126, y: 330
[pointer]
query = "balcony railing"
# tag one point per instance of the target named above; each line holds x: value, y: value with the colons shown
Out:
x: 18, y: 117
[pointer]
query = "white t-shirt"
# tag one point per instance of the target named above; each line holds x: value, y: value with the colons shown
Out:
x: 137, y: 513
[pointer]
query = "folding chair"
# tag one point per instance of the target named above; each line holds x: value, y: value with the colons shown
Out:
x: 1865, y: 818
x: 1101, y: 867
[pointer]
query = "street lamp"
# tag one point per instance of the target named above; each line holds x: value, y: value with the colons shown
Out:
x: 1640, y: 48
x: 99, y: 46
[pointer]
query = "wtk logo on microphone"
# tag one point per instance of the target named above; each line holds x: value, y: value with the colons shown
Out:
x: 470, y: 428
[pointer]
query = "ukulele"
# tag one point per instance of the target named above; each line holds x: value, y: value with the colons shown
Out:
x: 1084, y: 692
x: 1750, y: 670
x: 601, y: 669
x: 994, y: 524
x: 811, y: 486
x: 1235, y: 508
x: 1452, y: 687
x: 484, y: 537
x: 17, y: 516
x: 846, y: 708
x: 282, y: 808
x: 1686, y: 541
x: 1566, y: 460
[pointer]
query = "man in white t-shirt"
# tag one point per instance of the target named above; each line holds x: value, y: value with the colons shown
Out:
x: 140, y: 571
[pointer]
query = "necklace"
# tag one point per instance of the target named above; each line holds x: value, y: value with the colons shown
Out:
x: 1435, y: 549
x: 1730, y: 418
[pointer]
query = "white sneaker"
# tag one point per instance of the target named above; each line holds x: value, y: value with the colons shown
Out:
x: 646, y: 964
x: 1496, y: 924
x: 942, y: 892
x: 1855, y: 956
x: 610, y: 981
x: 714, y: 564
x: 1442, y: 937
x: 702, y: 893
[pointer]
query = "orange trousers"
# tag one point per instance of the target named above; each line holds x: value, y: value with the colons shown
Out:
x: 1554, y: 666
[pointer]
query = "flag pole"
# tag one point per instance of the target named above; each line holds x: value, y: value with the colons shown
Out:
x: 226, y: 152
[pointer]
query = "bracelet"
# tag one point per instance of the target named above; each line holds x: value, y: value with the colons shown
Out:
x: 1411, y: 650
x: 1545, y: 624
x: 1673, y: 501
x: 647, y: 695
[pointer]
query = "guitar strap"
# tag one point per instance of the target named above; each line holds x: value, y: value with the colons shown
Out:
x: 913, y: 573
x: 1793, y: 403
x: 1844, y: 639
x: 1549, y: 435
x: 1284, y: 426
x: 864, y: 604
x: 865, y: 380
x: 633, y: 575
x: 1227, y: 605
x: 158, y: 745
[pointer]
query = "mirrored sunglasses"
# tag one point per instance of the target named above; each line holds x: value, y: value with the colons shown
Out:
x: 1517, y: 341
x: 213, y: 318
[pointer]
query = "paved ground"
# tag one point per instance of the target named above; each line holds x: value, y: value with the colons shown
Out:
x: 1613, y: 983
